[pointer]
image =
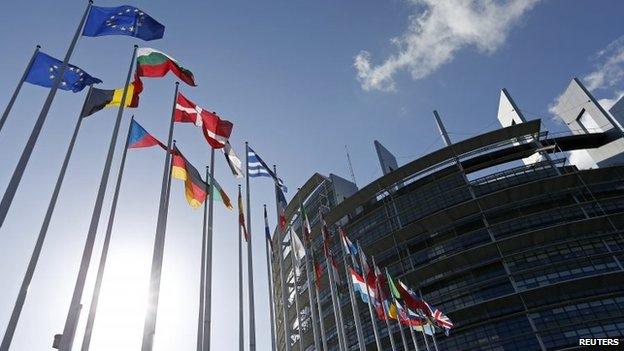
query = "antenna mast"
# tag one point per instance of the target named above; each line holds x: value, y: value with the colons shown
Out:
x: 350, y: 165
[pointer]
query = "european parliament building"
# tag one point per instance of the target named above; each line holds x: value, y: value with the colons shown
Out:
x: 516, y: 234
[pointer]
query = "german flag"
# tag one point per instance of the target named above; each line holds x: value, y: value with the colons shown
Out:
x: 195, y: 189
x: 102, y: 98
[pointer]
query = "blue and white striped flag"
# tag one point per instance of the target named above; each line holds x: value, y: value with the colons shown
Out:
x: 256, y: 167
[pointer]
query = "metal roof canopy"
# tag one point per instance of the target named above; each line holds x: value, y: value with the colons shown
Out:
x: 427, y: 161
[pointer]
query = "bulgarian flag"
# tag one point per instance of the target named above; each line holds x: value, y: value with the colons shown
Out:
x: 154, y: 63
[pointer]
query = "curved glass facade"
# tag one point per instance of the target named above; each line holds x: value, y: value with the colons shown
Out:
x: 520, y: 257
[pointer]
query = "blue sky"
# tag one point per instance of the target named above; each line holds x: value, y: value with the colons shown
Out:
x: 283, y: 72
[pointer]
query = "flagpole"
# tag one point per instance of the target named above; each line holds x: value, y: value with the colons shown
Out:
x: 9, y: 106
x: 341, y: 327
x: 285, y: 324
x: 403, y: 339
x: 250, y: 285
x: 149, y: 327
x: 34, y: 259
x: 202, y: 281
x: 11, y: 189
x: 320, y: 308
x: 241, y: 314
x: 332, y: 290
x: 86, y: 340
x: 435, y: 344
x: 295, y: 279
x: 422, y: 314
x: 383, y: 306
x: 317, y: 343
x: 389, y: 327
x: 422, y: 329
x: 241, y: 330
x: 280, y: 242
x: 370, y: 306
x: 152, y: 307
x: 402, y: 332
x: 208, y: 279
x: 270, y: 287
x: 354, y: 306
x: 411, y: 329
x: 306, y: 239
x: 73, y: 314
x: 342, y: 334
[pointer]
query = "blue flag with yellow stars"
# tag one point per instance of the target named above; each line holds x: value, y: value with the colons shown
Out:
x: 46, y: 68
x: 122, y: 20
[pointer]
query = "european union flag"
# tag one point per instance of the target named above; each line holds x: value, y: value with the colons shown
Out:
x: 122, y: 20
x: 46, y: 68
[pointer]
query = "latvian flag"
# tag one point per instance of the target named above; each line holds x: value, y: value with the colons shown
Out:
x: 216, y: 130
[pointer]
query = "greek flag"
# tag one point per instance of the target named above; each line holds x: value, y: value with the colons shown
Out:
x: 256, y: 167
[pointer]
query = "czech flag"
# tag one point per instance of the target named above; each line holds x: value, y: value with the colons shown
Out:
x: 139, y: 137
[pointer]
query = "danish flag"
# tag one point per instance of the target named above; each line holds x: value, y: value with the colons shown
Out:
x: 216, y: 130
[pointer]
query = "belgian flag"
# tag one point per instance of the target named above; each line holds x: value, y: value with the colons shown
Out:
x: 195, y: 189
x: 102, y: 98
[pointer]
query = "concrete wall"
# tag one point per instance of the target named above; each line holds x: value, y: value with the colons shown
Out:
x: 582, y: 114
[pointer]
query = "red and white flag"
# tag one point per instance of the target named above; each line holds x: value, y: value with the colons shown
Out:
x: 216, y: 130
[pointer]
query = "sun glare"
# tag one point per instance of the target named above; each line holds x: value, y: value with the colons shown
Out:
x: 121, y: 310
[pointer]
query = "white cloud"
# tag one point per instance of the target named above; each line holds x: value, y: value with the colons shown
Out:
x: 609, y: 69
x: 433, y: 37
x: 554, y: 108
x: 608, y: 103
x: 607, y: 74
